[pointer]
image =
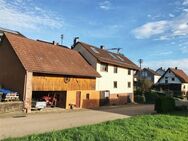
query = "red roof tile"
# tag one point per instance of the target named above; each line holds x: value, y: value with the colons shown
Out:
x: 180, y: 74
x: 47, y: 58
x: 105, y: 56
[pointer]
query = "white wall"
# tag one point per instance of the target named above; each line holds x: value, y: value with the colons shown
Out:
x: 106, y: 82
x: 156, y: 78
x: 186, y: 87
x: 170, y: 76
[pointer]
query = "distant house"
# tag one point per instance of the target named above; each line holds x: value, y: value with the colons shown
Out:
x: 160, y: 71
x: 148, y: 74
x: 36, y: 69
x: 116, y: 70
x: 174, y: 80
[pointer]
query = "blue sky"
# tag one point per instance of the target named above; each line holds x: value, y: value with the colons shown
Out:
x: 154, y: 30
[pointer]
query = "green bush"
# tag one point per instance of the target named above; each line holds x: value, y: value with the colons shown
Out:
x: 139, y: 99
x: 164, y: 104
x: 138, y: 92
x: 151, y: 97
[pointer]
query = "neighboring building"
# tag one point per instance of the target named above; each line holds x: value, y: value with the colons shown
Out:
x: 35, y: 69
x: 148, y: 74
x: 160, y: 71
x: 2, y: 30
x: 116, y: 70
x: 174, y: 80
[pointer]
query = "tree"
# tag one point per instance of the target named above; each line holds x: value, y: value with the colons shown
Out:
x: 144, y: 85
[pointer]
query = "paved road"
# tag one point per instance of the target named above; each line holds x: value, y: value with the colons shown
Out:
x: 43, y: 122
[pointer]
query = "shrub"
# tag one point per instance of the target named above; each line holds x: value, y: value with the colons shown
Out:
x: 164, y: 104
x: 138, y: 92
x: 139, y: 99
x: 151, y: 97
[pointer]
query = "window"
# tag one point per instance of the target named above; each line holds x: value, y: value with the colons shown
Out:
x: 184, y: 87
x: 87, y: 96
x: 129, y: 84
x: 115, y: 69
x: 104, y: 67
x: 166, y: 80
x: 115, y: 84
x: 173, y: 79
x: 129, y: 72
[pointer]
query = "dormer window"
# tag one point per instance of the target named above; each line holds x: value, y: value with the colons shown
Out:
x: 104, y: 67
x: 173, y: 79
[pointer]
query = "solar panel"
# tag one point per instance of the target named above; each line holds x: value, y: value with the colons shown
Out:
x: 94, y: 49
x: 113, y: 56
x: 120, y: 58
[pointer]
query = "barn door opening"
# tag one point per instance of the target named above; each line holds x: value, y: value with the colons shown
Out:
x: 78, y: 97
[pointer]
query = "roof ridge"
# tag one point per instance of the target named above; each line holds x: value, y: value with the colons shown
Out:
x: 100, y: 48
x: 32, y: 40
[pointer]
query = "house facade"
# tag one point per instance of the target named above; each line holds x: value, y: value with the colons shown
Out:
x: 116, y: 81
x: 160, y: 71
x: 175, y: 80
x: 149, y: 74
x: 36, y: 69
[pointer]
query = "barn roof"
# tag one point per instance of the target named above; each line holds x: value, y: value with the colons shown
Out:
x: 106, y: 56
x: 41, y: 57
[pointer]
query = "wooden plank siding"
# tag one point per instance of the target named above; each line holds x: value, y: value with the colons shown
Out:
x: 57, y: 83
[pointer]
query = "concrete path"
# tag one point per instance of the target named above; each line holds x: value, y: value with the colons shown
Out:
x: 17, y: 126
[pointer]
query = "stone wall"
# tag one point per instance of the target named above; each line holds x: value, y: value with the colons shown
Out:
x: 11, y: 106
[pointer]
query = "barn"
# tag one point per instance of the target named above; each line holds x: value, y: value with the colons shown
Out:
x: 38, y: 69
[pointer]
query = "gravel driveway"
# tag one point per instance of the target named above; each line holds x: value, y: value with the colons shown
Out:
x: 12, y: 126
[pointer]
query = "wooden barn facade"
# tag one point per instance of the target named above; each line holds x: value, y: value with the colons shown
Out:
x: 36, y: 69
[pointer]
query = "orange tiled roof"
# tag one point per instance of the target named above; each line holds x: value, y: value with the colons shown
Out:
x: 180, y: 74
x: 42, y: 57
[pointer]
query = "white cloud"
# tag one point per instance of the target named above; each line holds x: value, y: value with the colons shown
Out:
x: 20, y: 15
x: 184, y: 49
x: 106, y: 5
x: 176, y: 26
x: 150, y: 29
x: 171, y: 15
x: 165, y: 29
x: 180, y: 63
x: 163, y: 53
x: 185, y: 2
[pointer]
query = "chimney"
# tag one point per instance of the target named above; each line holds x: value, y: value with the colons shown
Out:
x: 53, y: 42
x: 75, y: 40
x: 101, y: 47
x: 176, y: 68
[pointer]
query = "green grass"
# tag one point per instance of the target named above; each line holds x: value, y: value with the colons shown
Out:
x: 172, y: 127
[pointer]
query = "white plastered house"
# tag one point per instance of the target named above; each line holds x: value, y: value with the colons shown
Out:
x: 116, y: 70
x: 175, y: 80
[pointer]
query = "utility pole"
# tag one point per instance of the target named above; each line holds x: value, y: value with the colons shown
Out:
x: 140, y: 62
x: 62, y: 36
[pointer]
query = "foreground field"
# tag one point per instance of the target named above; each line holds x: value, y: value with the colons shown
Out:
x: 172, y: 127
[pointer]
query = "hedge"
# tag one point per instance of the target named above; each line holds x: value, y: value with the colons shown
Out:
x: 164, y: 104
x: 139, y: 99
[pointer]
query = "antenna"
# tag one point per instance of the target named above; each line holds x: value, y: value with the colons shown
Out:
x: 62, y: 36
x: 118, y: 49
x: 140, y: 62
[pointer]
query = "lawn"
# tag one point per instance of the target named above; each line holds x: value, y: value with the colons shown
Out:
x: 173, y: 127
